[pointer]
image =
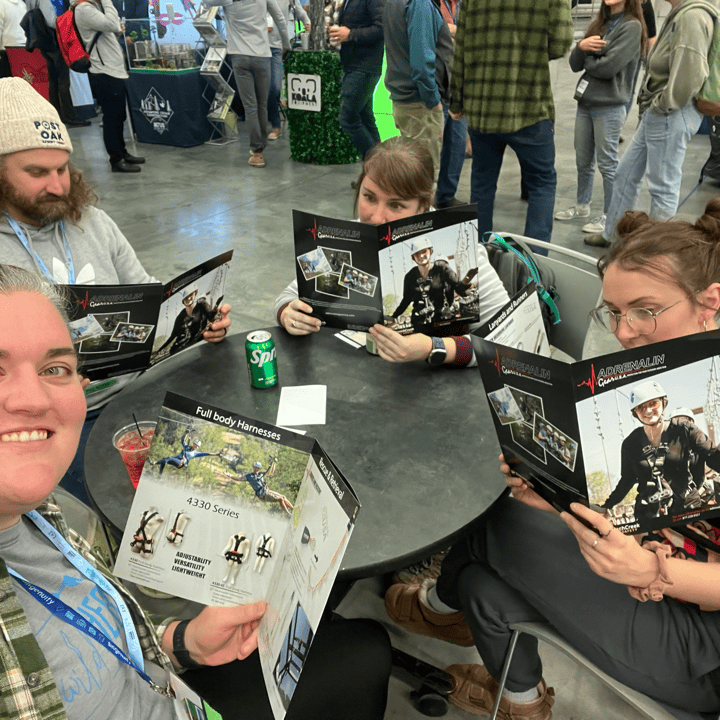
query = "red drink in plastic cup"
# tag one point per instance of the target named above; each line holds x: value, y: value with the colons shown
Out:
x: 133, y: 448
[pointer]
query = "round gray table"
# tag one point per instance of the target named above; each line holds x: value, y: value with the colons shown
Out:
x: 416, y: 443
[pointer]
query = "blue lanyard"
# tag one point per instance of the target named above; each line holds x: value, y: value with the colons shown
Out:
x: 609, y: 30
x: 72, y: 617
x: 26, y: 244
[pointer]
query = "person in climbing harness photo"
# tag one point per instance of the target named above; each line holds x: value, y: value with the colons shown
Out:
x: 189, y: 452
x: 659, y: 458
x: 426, y: 286
x: 256, y: 480
x: 192, y: 321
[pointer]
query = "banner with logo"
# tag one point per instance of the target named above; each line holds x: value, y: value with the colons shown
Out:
x: 168, y: 108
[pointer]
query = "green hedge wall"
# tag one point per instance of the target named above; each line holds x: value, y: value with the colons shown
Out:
x: 316, y: 137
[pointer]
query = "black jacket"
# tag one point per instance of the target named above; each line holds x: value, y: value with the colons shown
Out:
x: 363, y: 50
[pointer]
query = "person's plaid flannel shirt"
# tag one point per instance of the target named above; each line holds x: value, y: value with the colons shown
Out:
x: 500, y: 76
x: 27, y: 688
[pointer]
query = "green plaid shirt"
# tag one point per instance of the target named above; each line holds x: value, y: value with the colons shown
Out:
x: 501, y: 75
x: 27, y: 688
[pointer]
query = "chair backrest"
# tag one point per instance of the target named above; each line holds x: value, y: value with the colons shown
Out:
x: 642, y: 703
x: 85, y: 522
x: 578, y: 289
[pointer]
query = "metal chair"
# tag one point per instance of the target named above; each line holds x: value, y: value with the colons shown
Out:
x: 578, y: 287
x: 649, y: 708
x: 85, y: 521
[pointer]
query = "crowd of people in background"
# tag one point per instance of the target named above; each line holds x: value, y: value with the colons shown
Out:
x: 446, y: 91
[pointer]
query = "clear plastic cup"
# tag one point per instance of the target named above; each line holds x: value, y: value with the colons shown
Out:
x: 133, y: 448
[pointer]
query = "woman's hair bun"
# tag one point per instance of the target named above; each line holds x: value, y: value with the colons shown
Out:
x: 709, y: 222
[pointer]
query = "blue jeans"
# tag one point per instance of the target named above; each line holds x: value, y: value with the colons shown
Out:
x: 356, y: 117
x: 452, y: 157
x: 631, y: 101
x: 276, y: 78
x: 597, y: 133
x: 535, y: 149
x: 657, y: 151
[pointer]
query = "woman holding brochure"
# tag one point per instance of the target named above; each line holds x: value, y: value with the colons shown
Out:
x: 107, y: 660
x: 397, y: 182
x: 661, y: 280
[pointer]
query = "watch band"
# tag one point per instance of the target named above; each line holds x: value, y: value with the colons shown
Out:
x: 179, y: 649
x: 438, y: 353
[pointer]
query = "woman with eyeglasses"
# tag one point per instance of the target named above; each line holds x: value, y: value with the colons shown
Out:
x: 661, y: 280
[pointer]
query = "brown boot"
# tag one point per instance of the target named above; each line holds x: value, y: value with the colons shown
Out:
x: 475, y: 691
x: 403, y: 605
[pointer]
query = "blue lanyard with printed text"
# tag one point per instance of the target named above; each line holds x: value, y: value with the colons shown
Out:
x: 72, y: 617
x: 26, y: 244
x: 56, y: 606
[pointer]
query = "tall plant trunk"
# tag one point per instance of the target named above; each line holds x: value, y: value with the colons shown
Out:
x: 314, y: 10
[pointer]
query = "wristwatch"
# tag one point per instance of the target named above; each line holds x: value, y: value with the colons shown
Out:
x: 438, y: 353
x: 179, y: 649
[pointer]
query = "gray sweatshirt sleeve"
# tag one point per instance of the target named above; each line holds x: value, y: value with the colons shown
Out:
x: 623, y: 47
x: 300, y: 13
x: 280, y: 22
x: 577, y: 59
x: 688, y: 60
x: 91, y: 18
x: 289, y: 294
x: 123, y: 257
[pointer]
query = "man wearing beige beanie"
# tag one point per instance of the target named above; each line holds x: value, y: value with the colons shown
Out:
x: 49, y: 222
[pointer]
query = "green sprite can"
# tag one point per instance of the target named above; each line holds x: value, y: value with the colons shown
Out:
x: 261, y: 360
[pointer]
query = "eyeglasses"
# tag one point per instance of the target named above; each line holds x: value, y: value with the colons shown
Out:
x: 642, y: 320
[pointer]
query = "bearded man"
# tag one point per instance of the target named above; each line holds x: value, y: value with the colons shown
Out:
x: 50, y: 224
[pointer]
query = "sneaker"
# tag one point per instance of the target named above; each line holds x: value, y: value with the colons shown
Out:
x: 274, y: 134
x: 256, y: 159
x: 595, y: 226
x: 573, y: 212
x: 475, y: 691
x: 596, y: 241
x: 402, y: 602
x: 427, y: 569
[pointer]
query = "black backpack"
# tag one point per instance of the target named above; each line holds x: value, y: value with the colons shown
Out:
x: 37, y: 33
x: 516, y: 266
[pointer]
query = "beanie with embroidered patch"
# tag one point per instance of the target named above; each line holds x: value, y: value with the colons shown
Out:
x: 27, y: 120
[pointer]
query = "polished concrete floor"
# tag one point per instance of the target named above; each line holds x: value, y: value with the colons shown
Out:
x: 190, y: 204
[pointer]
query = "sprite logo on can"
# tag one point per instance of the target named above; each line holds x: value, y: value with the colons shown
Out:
x: 262, y: 363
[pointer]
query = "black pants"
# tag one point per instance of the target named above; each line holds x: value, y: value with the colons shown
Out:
x: 110, y: 92
x: 5, y: 69
x: 521, y: 564
x: 345, y: 676
x: 59, y: 85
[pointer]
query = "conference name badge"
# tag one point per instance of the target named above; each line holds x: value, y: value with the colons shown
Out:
x: 188, y: 704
